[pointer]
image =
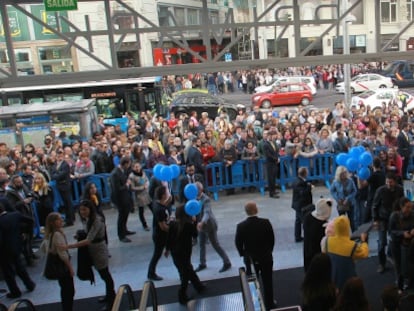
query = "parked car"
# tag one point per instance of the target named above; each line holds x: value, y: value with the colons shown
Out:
x: 375, y: 98
x: 284, y: 94
x: 308, y: 80
x: 401, y: 72
x: 365, y: 82
x: 200, y: 101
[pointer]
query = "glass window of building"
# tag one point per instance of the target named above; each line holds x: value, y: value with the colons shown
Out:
x: 410, y: 10
x: 388, y: 11
x: 55, y: 59
x: 164, y: 18
x: 179, y: 14
x: 193, y: 17
x: 23, y: 58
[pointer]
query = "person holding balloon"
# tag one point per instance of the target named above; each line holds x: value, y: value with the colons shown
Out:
x: 343, y: 190
x: 207, y: 227
x: 179, y: 243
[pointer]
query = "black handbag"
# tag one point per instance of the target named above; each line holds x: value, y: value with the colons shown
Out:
x: 55, y: 268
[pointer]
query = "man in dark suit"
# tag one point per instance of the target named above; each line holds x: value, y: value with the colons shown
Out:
x: 10, y: 248
x: 195, y: 157
x: 255, y: 240
x: 301, y: 197
x: 271, y: 153
x: 190, y: 177
x: 404, y: 148
x: 60, y: 173
x: 121, y: 197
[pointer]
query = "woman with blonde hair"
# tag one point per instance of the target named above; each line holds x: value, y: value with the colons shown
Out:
x: 343, y: 190
x: 43, y: 197
x: 56, y: 244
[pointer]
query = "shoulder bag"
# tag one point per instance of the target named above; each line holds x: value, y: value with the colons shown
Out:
x: 55, y: 268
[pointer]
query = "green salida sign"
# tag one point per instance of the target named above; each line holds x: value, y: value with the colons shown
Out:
x: 61, y: 5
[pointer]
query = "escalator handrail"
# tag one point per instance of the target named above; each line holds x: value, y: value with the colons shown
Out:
x: 148, y: 289
x: 19, y: 303
x: 247, y: 295
x: 120, y: 294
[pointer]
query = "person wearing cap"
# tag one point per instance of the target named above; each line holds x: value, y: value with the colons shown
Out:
x: 314, y: 230
x: 255, y: 240
x: 271, y: 153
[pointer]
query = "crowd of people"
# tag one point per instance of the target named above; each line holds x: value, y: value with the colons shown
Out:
x: 195, y: 141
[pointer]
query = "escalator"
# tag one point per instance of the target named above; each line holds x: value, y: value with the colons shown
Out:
x: 124, y: 299
x: 21, y: 305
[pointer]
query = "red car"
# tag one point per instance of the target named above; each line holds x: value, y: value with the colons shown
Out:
x: 284, y: 94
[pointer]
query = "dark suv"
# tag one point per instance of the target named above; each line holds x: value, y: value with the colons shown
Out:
x: 201, y: 101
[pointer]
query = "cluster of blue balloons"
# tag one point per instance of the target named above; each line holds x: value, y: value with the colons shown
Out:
x: 166, y: 172
x: 356, y: 160
x: 193, y: 206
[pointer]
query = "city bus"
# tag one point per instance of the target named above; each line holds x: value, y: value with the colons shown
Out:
x: 23, y: 124
x: 114, y: 98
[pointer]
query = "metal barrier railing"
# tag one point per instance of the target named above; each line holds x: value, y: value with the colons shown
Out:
x: 246, y: 293
x: 147, y: 290
x: 125, y: 288
x: 27, y: 304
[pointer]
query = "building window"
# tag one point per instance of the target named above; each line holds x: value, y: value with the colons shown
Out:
x: 55, y: 60
x: 388, y: 11
x: 164, y: 16
x: 410, y: 10
x: 193, y: 17
x: 214, y: 17
x: 23, y: 59
x: 179, y: 14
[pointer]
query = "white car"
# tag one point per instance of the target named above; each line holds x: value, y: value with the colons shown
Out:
x: 365, y: 82
x: 308, y: 80
x: 375, y: 98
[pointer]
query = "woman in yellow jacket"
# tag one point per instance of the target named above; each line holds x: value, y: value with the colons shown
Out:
x: 343, y: 251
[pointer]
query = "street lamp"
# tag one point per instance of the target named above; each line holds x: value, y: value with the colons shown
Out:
x: 346, y: 51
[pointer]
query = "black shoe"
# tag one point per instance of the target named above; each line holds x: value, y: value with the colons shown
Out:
x: 273, y: 305
x: 225, y: 267
x: 125, y: 240
x: 183, y: 298
x: 274, y: 196
x: 200, y: 267
x: 13, y: 295
x: 130, y: 233
x: 102, y: 299
x: 69, y: 224
x: 381, y: 269
x: 298, y: 240
x: 155, y: 277
x: 146, y: 228
x: 31, y: 287
x: 200, y: 288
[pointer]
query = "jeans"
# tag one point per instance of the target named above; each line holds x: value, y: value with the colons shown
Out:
x: 212, y: 236
x: 382, y: 241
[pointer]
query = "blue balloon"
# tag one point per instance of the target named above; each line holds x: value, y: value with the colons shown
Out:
x: 341, y: 159
x: 166, y: 173
x: 190, y: 191
x: 355, y: 152
x: 175, y: 170
x: 366, y: 158
x: 364, y: 173
x: 192, y: 207
x: 352, y: 164
x: 157, y: 170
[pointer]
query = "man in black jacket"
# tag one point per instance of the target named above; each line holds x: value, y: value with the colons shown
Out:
x: 404, y: 148
x: 271, y: 153
x: 10, y: 248
x: 255, y: 241
x: 302, y: 196
x: 385, y: 202
x: 121, y: 197
x: 60, y: 173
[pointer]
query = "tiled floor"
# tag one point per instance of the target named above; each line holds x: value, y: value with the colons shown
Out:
x: 129, y: 262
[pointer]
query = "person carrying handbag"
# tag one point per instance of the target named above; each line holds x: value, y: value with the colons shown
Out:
x: 56, y: 241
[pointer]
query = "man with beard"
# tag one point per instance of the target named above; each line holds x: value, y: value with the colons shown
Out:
x: 20, y: 199
x: 195, y: 157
